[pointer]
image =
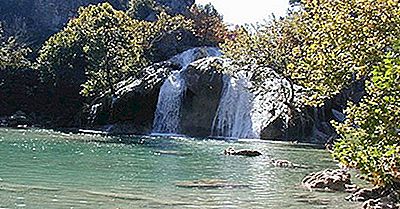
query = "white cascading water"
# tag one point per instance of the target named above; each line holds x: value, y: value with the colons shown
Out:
x: 167, y: 115
x: 233, y: 118
x: 243, y: 114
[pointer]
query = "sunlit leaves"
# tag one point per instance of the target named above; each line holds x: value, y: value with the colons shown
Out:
x: 12, y: 54
x: 104, y: 43
x: 324, y: 46
x: 371, y: 135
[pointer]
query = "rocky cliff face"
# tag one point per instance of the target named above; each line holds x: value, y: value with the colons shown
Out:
x: 38, y: 19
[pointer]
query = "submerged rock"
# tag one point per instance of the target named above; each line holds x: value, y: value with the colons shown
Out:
x: 209, y: 184
x: 335, y: 180
x: 242, y: 152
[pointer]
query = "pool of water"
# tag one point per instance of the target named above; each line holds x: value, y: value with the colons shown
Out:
x: 46, y: 169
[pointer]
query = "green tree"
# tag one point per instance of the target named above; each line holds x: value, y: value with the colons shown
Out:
x: 106, y: 44
x: 325, y: 45
x: 371, y: 134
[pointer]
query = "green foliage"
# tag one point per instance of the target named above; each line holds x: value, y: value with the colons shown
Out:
x: 106, y: 44
x: 208, y: 24
x: 325, y: 45
x: 371, y: 134
x: 12, y: 54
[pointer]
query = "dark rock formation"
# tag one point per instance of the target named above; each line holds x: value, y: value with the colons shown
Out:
x: 172, y: 43
x: 335, y: 180
x: 242, y: 152
x: 200, y: 103
x: 132, y: 109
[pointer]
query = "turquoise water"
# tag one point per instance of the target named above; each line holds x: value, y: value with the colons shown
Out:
x: 46, y: 169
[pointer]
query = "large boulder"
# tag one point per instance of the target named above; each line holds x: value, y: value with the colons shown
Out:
x: 200, y: 103
x: 335, y: 180
x: 172, y: 43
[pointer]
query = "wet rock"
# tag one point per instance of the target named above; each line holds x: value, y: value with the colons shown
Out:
x: 209, y: 184
x: 379, y: 204
x: 376, y: 198
x: 286, y: 164
x: 282, y: 163
x: 242, y: 152
x: 335, y: 180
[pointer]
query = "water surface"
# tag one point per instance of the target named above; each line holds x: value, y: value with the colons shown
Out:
x: 46, y: 169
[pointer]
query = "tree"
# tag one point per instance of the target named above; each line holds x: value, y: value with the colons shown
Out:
x: 208, y: 24
x: 12, y: 54
x: 324, y: 46
x: 371, y: 134
x: 105, y: 44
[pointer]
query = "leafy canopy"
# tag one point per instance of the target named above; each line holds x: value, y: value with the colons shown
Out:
x: 106, y: 44
x: 371, y: 134
x: 323, y: 46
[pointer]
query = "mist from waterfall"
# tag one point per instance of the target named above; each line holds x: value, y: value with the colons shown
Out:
x: 168, y: 112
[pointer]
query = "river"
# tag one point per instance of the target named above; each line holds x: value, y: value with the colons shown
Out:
x: 48, y: 169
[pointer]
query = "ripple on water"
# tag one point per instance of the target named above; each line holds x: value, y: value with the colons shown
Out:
x: 45, y: 169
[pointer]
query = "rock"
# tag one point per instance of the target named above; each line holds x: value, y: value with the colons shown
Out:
x: 172, y: 153
x: 38, y: 19
x: 376, y: 198
x: 379, y: 204
x: 282, y: 163
x: 242, y: 152
x: 201, y: 100
x: 287, y: 164
x: 335, y: 180
x: 132, y: 109
x: 209, y: 184
x: 18, y: 120
x: 172, y: 43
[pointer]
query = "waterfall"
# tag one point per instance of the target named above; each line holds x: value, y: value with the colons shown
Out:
x: 234, y: 115
x: 167, y: 115
x: 243, y: 113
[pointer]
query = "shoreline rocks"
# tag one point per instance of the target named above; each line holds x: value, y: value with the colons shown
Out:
x: 376, y: 198
x: 334, y: 180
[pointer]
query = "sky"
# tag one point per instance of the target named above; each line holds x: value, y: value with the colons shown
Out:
x: 248, y: 11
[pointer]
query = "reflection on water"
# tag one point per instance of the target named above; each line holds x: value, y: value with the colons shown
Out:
x: 45, y: 169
